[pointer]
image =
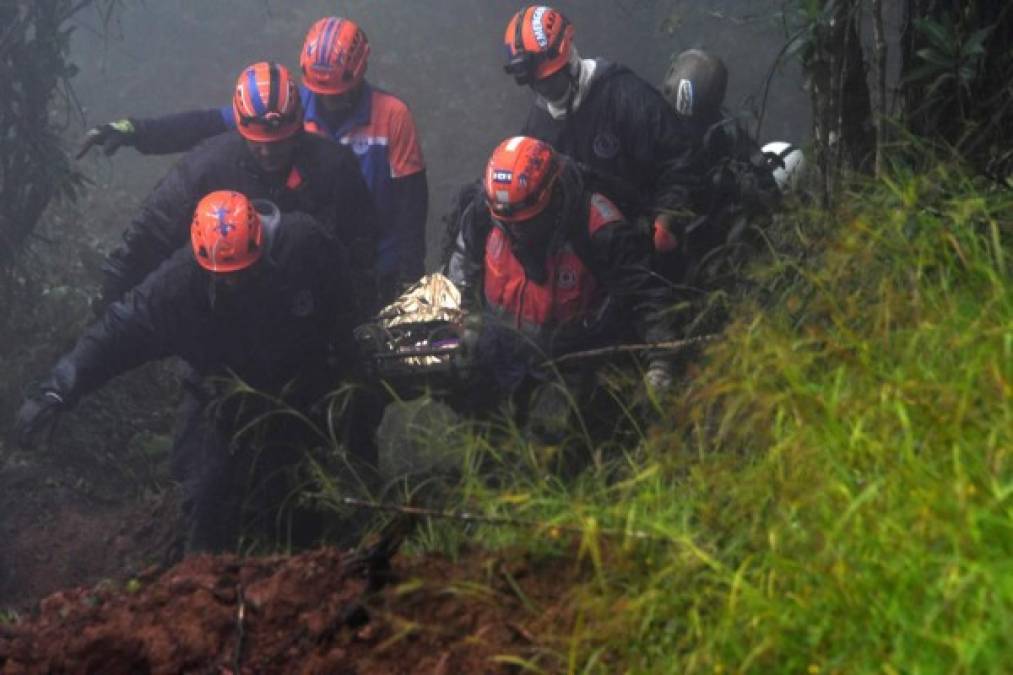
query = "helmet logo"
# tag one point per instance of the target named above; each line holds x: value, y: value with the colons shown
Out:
x: 606, y: 145
x: 224, y: 227
x: 502, y: 176
x: 537, y: 28
x: 502, y: 196
x: 684, y: 98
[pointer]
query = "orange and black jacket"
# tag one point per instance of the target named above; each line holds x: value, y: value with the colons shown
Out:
x: 324, y: 182
x: 625, y: 129
x: 592, y: 284
x: 279, y: 327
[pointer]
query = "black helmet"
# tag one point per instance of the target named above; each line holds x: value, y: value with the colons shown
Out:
x: 695, y: 85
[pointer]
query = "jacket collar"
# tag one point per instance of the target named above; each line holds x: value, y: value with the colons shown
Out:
x: 359, y: 117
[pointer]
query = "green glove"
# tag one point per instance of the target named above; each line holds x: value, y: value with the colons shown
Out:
x: 110, y: 136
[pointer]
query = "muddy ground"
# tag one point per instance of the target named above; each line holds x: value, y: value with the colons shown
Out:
x: 319, y: 612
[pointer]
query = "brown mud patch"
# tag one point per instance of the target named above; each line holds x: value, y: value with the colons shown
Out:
x: 319, y: 612
x: 55, y: 536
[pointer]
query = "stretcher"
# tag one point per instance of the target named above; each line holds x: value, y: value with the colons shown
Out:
x: 416, y: 340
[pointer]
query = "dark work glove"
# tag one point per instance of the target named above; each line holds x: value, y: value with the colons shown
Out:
x: 37, y: 412
x: 110, y: 136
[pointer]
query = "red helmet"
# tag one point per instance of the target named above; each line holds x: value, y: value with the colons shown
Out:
x: 539, y: 41
x: 519, y: 178
x: 266, y: 104
x: 226, y: 232
x: 334, y: 56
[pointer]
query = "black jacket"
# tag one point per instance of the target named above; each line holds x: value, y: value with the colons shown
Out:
x: 278, y: 328
x: 329, y: 187
x: 402, y: 235
x: 625, y: 129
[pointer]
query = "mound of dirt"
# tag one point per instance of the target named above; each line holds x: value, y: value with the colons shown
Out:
x: 57, y: 536
x: 319, y: 612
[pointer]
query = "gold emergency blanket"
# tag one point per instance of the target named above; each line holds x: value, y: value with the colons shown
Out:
x: 434, y: 297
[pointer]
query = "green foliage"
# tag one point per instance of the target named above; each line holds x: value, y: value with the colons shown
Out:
x: 949, y: 63
x: 35, y: 94
x: 948, y: 58
x: 957, y: 79
x: 833, y: 492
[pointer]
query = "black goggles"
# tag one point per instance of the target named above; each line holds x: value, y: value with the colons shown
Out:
x: 522, y: 67
x: 271, y: 120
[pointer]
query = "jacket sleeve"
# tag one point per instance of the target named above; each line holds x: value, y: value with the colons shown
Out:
x: 660, y: 143
x: 467, y: 259
x: 358, y: 226
x: 142, y: 327
x: 180, y: 132
x: 159, y: 228
x: 411, y: 208
x: 622, y: 257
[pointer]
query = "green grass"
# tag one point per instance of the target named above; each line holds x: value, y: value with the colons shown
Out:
x: 832, y: 490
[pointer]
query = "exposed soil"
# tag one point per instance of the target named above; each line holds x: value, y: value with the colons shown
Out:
x: 319, y: 612
x: 56, y: 537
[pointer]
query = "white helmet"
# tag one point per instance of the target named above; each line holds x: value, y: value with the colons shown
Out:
x: 788, y: 164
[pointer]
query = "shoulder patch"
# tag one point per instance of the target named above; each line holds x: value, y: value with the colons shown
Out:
x: 602, y: 212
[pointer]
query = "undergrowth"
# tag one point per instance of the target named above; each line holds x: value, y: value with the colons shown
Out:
x: 831, y: 491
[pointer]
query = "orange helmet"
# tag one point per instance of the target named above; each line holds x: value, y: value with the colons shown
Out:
x: 226, y: 232
x: 266, y: 104
x: 334, y: 56
x: 519, y: 178
x: 538, y: 43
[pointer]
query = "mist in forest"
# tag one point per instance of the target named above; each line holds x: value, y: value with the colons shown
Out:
x: 443, y: 58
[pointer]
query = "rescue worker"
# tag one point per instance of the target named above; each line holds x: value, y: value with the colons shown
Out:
x: 557, y: 268
x: 734, y: 190
x: 339, y: 103
x: 602, y: 115
x: 261, y: 296
x: 695, y: 87
x: 269, y: 157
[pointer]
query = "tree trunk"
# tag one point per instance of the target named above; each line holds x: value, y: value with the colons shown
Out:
x: 843, y: 133
x: 879, y: 59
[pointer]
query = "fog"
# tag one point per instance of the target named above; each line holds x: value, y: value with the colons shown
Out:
x: 443, y: 58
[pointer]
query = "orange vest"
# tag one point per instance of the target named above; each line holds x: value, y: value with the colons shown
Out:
x: 570, y: 292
